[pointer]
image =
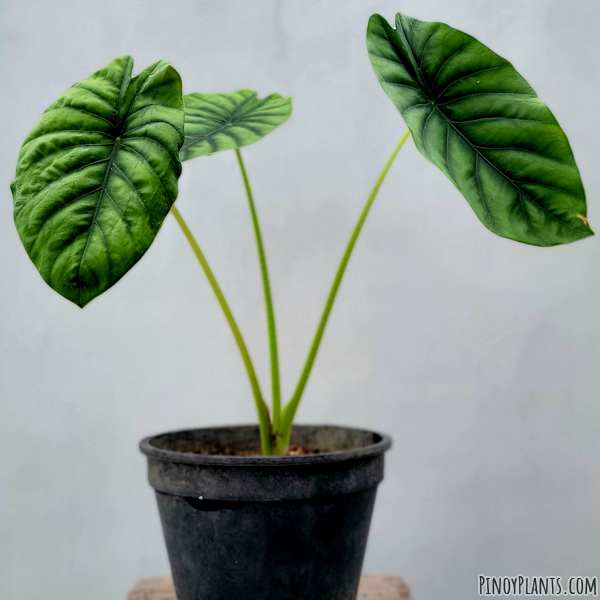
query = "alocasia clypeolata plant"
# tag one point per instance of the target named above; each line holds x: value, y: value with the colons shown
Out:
x: 98, y: 174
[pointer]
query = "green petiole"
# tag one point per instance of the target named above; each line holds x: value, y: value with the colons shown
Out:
x: 276, y: 386
x: 275, y: 436
x: 290, y: 409
x: 261, y: 407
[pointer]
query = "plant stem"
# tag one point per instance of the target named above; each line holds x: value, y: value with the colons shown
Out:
x: 268, y: 301
x: 289, y: 411
x: 261, y: 407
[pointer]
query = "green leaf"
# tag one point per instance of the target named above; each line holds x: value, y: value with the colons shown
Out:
x: 97, y: 176
x: 215, y: 122
x: 481, y: 123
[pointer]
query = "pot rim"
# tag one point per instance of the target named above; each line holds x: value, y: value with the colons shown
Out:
x: 382, y: 444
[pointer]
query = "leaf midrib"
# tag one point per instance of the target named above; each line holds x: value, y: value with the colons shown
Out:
x: 206, y: 136
x: 230, y: 120
x: 95, y: 216
x: 111, y: 160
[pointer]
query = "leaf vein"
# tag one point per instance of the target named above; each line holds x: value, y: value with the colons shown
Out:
x: 459, y: 49
x: 83, y: 87
x: 465, y: 76
x: 154, y: 172
x: 476, y: 148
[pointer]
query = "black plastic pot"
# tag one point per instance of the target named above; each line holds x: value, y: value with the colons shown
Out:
x: 264, y: 527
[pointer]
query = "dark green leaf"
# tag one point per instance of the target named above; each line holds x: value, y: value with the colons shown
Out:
x: 479, y: 121
x: 216, y: 122
x: 97, y: 176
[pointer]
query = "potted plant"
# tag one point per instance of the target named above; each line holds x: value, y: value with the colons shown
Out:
x: 243, y: 517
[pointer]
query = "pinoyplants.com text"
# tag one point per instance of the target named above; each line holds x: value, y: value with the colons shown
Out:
x: 524, y: 586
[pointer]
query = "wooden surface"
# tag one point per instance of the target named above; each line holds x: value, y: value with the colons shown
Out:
x: 372, y: 587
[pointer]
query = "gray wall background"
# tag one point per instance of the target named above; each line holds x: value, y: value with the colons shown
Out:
x: 477, y: 354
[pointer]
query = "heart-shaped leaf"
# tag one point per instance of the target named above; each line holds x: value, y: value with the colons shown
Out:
x: 216, y: 122
x: 97, y: 176
x: 481, y: 123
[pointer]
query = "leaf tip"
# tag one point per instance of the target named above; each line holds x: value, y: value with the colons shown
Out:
x: 589, y: 232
